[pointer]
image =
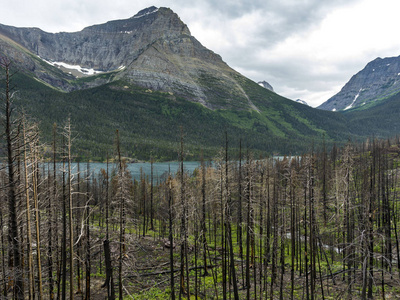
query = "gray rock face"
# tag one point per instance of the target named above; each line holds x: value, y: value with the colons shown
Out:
x: 266, y: 85
x: 378, y: 80
x: 153, y: 49
x: 103, y: 47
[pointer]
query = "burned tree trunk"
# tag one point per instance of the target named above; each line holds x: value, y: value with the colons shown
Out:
x: 11, y: 137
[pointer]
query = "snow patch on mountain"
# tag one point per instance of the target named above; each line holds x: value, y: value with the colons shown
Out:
x: 77, y: 70
x: 354, y: 101
x: 145, y: 12
x: 82, y: 70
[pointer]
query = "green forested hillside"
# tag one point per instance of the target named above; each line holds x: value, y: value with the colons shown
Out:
x: 149, y: 122
x: 381, y: 120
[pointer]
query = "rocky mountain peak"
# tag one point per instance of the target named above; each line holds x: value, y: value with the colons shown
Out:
x: 266, y: 85
x: 103, y: 47
x: 301, y: 102
x: 378, y: 80
x: 153, y: 49
x: 145, y: 12
x: 151, y: 17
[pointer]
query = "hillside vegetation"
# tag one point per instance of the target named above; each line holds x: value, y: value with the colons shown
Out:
x: 150, y: 121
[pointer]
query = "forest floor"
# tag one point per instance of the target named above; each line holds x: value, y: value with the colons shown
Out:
x: 146, y: 275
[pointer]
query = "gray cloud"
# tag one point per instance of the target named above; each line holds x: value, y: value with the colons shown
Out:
x: 281, y: 18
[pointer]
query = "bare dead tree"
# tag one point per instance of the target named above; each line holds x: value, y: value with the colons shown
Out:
x: 12, y: 134
x: 67, y: 134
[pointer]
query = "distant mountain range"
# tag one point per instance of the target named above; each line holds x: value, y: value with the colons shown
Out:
x: 266, y: 85
x: 148, y: 77
x: 379, y: 80
x: 301, y: 101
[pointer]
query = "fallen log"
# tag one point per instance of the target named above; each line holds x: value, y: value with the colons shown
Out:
x: 165, y: 272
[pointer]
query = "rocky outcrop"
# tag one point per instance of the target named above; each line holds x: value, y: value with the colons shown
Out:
x: 378, y: 80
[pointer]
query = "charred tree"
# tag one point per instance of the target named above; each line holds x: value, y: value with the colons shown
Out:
x: 11, y: 135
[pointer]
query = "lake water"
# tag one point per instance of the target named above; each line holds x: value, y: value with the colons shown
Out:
x: 159, y: 168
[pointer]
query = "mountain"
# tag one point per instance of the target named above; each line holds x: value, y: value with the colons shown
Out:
x: 153, y: 49
x: 266, y: 85
x: 148, y: 77
x: 301, y: 102
x: 379, y: 80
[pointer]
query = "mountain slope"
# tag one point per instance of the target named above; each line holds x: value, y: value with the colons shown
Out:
x: 148, y: 77
x: 380, y: 121
x: 377, y: 81
x: 149, y: 122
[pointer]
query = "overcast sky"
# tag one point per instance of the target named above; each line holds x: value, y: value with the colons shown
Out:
x: 305, y: 49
